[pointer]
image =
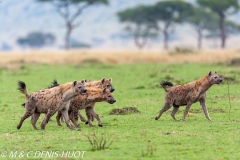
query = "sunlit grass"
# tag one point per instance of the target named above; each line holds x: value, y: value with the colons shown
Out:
x: 132, y: 136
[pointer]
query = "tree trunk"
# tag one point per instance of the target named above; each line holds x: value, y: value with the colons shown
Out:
x: 199, y: 38
x: 67, y: 36
x: 141, y: 37
x: 222, y: 30
x: 165, y: 34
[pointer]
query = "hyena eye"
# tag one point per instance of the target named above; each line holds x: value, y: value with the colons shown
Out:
x: 108, y: 85
x: 109, y: 96
x: 215, y: 77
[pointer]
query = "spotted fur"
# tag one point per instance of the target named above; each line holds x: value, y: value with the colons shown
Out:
x: 49, y: 101
x: 187, y: 94
x: 87, y: 102
x: 103, y: 83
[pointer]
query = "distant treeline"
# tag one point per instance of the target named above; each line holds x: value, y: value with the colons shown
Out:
x: 209, y: 18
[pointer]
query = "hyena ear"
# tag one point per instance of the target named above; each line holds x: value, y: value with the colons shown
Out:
x: 216, y: 72
x: 83, y: 81
x: 110, y: 80
x: 104, y: 90
x: 103, y: 80
x: 210, y: 73
x: 74, y: 83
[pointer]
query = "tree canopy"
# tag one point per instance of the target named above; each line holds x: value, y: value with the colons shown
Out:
x: 140, y: 23
x: 70, y: 10
x: 222, y: 8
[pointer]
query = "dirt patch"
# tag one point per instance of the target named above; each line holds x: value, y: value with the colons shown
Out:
x: 124, y: 111
x: 235, y: 62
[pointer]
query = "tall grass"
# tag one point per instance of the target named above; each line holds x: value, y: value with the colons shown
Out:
x: 12, y: 59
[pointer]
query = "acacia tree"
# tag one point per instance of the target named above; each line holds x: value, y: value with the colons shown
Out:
x: 223, y: 9
x: 203, y: 20
x: 168, y: 14
x: 230, y: 26
x: 139, y: 24
x: 69, y: 10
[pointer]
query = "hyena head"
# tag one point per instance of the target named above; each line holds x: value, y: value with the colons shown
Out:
x: 79, y: 87
x: 214, y: 78
x: 107, y: 83
x: 106, y: 93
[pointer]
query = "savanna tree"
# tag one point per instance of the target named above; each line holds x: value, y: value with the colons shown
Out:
x: 230, y: 28
x: 203, y: 19
x: 70, y: 10
x: 223, y: 8
x: 139, y: 24
x: 168, y: 14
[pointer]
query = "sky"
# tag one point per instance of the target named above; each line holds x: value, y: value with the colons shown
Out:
x: 99, y: 25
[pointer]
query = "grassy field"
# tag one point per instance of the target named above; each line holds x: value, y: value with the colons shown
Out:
x: 133, y: 136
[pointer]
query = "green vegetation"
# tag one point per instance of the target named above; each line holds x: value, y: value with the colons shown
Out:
x: 131, y: 136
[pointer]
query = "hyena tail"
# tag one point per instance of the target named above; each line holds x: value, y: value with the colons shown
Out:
x: 54, y: 84
x: 164, y: 84
x: 22, y: 88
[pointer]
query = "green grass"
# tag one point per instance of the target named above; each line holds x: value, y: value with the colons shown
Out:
x: 135, y: 136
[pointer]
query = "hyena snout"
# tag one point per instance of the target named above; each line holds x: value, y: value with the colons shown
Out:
x: 82, y: 90
x: 218, y: 80
x: 111, y: 101
x: 112, y: 89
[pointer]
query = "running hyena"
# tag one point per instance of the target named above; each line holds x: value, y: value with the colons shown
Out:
x: 92, y: 96
x: 103, y: 83
x: 49, y: 101
x: 187, y: 94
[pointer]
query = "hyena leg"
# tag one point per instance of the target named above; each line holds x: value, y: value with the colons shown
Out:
x: 204, y: 107
x: 81, y: 117
x: 66, y: 118
x: 175, y: 109
x: 58, y: 117
x: 91, y: 113
x: 186, y: 111
x: 71, y: 117
x: 34, y: 119
x: 166, y: 107
x: 25, y: 116
x: 62, y: 119
x: 49, y: 114
x: 89, y: 116
x: 74, y: 117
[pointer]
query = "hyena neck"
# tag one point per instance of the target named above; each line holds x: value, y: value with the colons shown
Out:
x: 204, y: 85
x: 69, y: 94
x: 94, y: 98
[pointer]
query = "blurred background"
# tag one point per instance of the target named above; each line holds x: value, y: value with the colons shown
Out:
x: 119, y: 24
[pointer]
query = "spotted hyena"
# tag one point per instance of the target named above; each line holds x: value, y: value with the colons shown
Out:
x: 49, y: 101
x: 88, y: 101
x: 103, y: 83
x: 187, y: 94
